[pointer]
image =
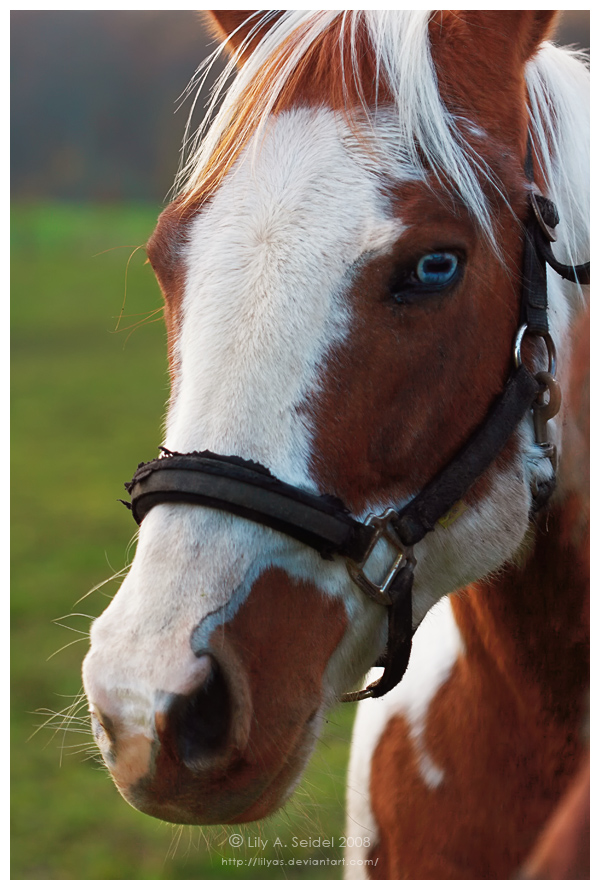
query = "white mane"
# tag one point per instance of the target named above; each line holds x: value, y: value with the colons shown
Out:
x: 558, y: 84
x: 557, y: 78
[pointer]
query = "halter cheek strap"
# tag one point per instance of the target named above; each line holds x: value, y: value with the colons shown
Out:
x: 323, y: 523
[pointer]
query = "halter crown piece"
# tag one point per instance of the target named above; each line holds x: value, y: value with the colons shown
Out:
x: 248, y: 489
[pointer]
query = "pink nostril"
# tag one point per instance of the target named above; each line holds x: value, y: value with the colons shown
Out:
x: 199, y: 723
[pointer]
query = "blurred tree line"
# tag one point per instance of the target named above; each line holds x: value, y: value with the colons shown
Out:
x: 94, y: 97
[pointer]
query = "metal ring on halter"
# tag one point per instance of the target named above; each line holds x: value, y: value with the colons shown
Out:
x: 550, y: 347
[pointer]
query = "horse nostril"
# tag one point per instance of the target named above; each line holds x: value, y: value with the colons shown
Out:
x: 200, y: 722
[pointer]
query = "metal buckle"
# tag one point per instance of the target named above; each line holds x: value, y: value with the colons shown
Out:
x: 379, y: 592
x: 543, y: 411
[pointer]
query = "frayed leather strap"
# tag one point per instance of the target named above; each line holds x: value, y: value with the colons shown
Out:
x: 248, y: 489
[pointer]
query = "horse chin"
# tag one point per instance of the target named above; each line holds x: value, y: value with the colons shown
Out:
x: 155, y: 781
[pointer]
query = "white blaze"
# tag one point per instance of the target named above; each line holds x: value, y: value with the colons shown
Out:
x: 269, y: 260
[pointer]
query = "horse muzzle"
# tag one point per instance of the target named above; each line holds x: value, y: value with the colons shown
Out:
x: 229, y: 743
x: 194, y: 764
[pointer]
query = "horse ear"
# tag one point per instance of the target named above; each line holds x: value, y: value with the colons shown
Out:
x: 541, y: 27
x: 241, y: 29
x: 525, y: 29
x: 480, y: 57
x: 519, y: 31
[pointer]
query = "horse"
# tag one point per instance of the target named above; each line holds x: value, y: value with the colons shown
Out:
x: 374, y: 283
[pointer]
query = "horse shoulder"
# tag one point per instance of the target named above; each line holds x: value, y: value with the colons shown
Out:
x: 396, y: 725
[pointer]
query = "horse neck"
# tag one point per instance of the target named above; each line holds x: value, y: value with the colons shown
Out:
x: 529, y: 625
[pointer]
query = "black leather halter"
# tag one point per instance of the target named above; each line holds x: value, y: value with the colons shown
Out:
x: 248, y: 489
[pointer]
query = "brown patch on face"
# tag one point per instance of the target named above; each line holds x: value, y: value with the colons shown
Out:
x: 284, y: 635
x: 281, y: 640
x: 412, y: 381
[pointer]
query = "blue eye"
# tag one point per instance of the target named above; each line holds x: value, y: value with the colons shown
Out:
x: 436, y: 269
x: 432, y: 274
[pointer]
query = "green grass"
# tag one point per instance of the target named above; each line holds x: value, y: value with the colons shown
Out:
x: 87, y: 406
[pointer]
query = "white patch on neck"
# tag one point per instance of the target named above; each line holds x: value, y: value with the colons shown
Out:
x: 436, y: 646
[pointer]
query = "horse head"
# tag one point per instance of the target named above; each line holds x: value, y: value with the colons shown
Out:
x: 342, y: 278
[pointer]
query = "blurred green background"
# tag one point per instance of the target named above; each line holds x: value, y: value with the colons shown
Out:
x: 94, y: 145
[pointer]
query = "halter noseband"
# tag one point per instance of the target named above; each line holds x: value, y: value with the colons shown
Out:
x: 323, y: 523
